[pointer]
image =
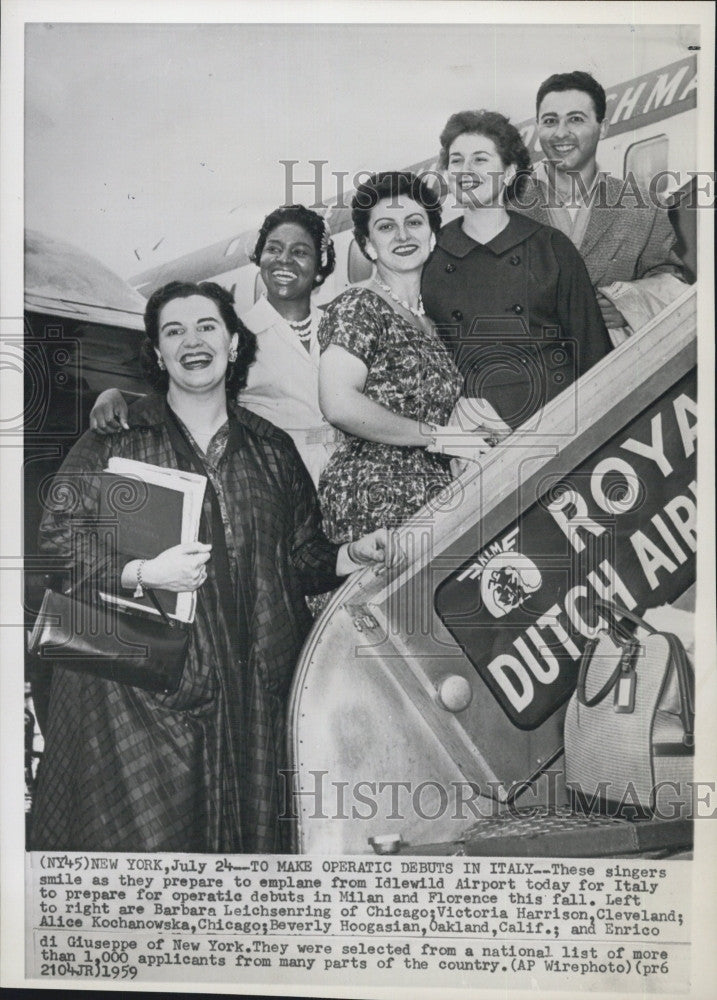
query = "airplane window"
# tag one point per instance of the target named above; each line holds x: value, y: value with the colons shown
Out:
x: 359, y: 269
x: 233, y: 246
x: 646, y: 160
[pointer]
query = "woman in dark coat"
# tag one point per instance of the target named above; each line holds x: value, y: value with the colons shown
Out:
x: 197, y: 770
x: 510, y: 297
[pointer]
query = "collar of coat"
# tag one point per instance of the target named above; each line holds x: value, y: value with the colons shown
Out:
x: 539, y: 184
x: 263, y: 315
x: 454, y: 241
x: 151, y: 411
x: 534, y: 199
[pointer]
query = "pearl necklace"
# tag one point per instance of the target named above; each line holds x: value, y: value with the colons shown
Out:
x: 302, y: 328
x: 419, y: 312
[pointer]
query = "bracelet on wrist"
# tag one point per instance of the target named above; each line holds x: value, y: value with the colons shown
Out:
x: 432, y: 436
x: 139, y: 589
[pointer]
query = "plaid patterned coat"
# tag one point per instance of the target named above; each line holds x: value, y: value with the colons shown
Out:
x: 197, y: 770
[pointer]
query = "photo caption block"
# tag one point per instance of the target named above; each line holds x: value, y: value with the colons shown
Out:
x: 490, y: 923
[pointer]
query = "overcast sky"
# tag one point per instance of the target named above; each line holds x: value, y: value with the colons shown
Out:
x: 138, y: 135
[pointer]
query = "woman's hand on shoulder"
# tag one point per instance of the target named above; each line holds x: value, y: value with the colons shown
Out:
x: 109, y: 414
x: 181, y: 568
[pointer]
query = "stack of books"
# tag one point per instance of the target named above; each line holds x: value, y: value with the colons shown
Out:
x: 153, y: 509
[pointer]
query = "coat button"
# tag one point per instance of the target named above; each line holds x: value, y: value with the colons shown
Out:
x: 517, y: 309
x: 450, y: 268
x: 515, y: 260
x: 457, y: 315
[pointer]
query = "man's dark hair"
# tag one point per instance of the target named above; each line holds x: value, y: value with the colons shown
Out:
x: 577, y: 80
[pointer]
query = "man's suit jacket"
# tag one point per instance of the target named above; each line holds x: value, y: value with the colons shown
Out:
x: 624, y: 241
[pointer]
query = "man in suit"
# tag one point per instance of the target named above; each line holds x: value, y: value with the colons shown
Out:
x: 627, y: 242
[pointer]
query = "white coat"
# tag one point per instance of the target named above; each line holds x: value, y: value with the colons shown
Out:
x: 283, y: 384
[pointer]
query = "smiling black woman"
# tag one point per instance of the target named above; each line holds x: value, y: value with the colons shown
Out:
x: 295, y: 254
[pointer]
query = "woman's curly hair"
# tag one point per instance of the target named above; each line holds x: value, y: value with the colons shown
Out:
x: 492, y: 125
x: 314, y: 225
x: 391, y: 184
x: 246, y: 346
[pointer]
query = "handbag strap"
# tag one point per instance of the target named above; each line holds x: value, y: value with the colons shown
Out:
x: 165, y: 617
x: 678, y: 657
x: 237, y: 629
x: 615, y: 613
x: 584, y: 666
x: 685, y: 683
x: 73, y: 588
x: 621, y: 636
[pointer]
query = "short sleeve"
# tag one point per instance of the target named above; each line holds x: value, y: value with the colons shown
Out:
x: 353, y: 321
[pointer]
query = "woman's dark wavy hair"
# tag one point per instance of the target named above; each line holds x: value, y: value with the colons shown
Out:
x: 246, y: 345
x: 391, y: 184
x: 313, y: 224
x: 495, y: 126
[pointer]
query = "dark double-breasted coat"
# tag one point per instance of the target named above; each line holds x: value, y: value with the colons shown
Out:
x: 197, y: 770
x: 519, y: 313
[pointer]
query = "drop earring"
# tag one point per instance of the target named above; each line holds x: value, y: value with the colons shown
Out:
x: 232, y: 355
x: 160, y: 362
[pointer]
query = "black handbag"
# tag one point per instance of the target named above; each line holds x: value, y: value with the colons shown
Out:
x: 126, y: 647
x: 99, y: 639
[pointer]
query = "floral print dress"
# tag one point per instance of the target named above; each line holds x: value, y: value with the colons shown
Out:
x: 367, y: 484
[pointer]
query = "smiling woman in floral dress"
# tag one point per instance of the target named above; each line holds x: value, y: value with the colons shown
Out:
x: 385, y: 377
